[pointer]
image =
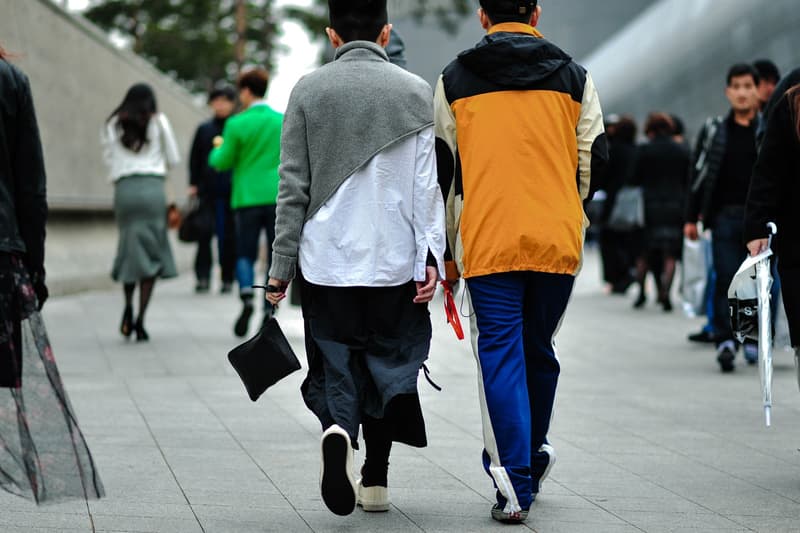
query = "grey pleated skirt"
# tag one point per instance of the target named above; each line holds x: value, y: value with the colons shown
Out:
x: 140, y: 208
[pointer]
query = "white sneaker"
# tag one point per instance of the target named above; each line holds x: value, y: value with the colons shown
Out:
x: 373, y: 499
x: 337, y: 485
x: 551, y: 454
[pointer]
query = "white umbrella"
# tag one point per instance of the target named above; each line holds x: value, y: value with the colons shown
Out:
x: 751, y: 313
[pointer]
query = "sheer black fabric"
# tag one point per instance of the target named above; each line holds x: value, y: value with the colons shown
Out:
x: 43, y: 454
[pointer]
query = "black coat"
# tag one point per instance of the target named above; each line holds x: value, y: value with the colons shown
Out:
x: 617, y: 173
x: 210, y: 183
x: 775, y: 186
x: 23, y: 202
x: 662, y: 170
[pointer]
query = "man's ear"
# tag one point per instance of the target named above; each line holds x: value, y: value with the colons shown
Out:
x: 484, y: 19
x: 535, y: 17
x: 385, y: 36
x: 334, y: 38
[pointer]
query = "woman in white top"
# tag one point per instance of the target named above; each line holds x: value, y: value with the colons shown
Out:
x: 138, y: 147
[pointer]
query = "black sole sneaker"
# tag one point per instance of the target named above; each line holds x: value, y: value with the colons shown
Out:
x: 508, y: 518
x: 725, y: 360
x: 243, y: 322
x: 337, y: 485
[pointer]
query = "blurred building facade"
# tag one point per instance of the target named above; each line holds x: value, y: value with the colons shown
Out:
x: 675, y: 55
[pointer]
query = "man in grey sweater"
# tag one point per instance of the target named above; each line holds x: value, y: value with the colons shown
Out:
x: 361, y: 213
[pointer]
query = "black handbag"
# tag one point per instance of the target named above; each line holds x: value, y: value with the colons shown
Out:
x: 264, y: 360
x: 197, y: 223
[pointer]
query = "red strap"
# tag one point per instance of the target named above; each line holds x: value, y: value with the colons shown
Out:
x: 451, y: 311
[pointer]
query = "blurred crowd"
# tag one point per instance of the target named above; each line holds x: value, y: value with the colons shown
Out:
x: 665, y: 200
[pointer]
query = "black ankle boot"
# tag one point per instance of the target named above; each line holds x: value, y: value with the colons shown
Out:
x: 141, y: 333
x: 126, y: 327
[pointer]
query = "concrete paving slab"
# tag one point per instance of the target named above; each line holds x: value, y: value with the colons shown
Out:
x: 649, y: 435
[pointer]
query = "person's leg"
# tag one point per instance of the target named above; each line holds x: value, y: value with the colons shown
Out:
x: 378, y: 440
x: 146, y: 287
x: 202, y: 264
x: 247, y: 234
x: 226, y: 242
x: 546, y: 298
x: 126, y: 327
x: 498, y: 304
x: 641, y: 280
x: 670, y: 264
x: 729, y: 252
x: 790, y: 292
x: 269, y: 227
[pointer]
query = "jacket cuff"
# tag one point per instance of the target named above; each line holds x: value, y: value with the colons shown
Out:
x: 283, y: 267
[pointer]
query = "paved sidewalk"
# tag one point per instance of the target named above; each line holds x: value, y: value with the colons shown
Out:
x: 649, y: 435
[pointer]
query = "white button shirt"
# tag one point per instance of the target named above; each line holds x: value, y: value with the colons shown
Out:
x: 378, y: 227
x: 155, y: 156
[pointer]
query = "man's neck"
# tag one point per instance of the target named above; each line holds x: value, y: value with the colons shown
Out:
x: 744, y: 118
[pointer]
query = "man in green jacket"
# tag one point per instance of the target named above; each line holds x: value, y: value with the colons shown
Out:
x: 250, y: 146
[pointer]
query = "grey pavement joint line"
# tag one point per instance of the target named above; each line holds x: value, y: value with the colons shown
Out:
x: 163, y: 455
x: 249, y: 456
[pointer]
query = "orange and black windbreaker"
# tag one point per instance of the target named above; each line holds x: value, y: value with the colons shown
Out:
x: 519, y: 135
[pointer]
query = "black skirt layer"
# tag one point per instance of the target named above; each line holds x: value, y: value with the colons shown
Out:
x: 43, y: 455
x: 365, y: 347
x: 790, y: 289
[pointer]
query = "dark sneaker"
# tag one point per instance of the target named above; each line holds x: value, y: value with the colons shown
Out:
x: 337, y: 484
x: 226, y: 288
x: 499, y: 514
x: 702, y: 336
x: 750, y: 350
x: 202, y: 287
x: 243, y: 322
x: 725, y: 357
x: 640, y: 302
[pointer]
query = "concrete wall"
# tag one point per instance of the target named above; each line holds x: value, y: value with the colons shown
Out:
x: 78, y: 78
x: 675, y: 56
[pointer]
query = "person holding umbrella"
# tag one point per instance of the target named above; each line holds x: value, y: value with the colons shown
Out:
x: 773, y: 196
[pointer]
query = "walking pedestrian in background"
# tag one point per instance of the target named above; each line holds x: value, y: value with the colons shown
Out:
x: 43, y: 455
x: 768, y: 78
x: 139, y: 147
x: 662, y: 170
x: 517, y: 121
x: 361, y: 213
x: 723, y: 163
x: 213, y: 192
x: 616, y: 246
x: 773, y: 197
x: 250, y: 146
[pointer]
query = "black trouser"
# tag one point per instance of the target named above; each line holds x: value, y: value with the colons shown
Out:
x: 616, y: 254
x: 790, y: 290
x: 225, y: 230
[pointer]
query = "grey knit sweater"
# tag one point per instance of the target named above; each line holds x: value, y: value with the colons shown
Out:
x: 338, y: 118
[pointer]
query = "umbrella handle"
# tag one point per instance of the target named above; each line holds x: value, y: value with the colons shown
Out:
x: 772, y: 229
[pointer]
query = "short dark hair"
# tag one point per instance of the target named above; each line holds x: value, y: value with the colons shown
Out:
x: 680, y: 127
x: 659, y: 124
x: 358, y: 20
x: 742, y: 69
x: 222, y: 90
x: 626, y: 129
x: 256, y: 80
x: 500, y: 11
x: 767, y: 70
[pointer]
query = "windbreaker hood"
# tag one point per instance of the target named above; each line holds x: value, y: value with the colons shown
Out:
x: 514, y: 59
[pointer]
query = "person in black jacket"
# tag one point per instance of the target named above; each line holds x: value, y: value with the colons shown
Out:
x: 37, y: 422
x: 724, y: 158
x: 773, y: 197
x: 662, y: 170
x: 615, y: 245
x: 213, y: 190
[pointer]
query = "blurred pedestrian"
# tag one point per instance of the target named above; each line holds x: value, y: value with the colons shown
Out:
x: 774, y: 196
x: 724, y: 157
x: 43, y: 454
x: 213, y: 192
x: 616, y: 246
x: 139, y: 147
x: 361, y: 213
x: 396, y: 50
x: 250, y: 146
x: 768, y: 78
x: 520, y: 136
x: 662, y: 170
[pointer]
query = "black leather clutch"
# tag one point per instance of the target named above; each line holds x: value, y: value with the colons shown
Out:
x: 264, y: 360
